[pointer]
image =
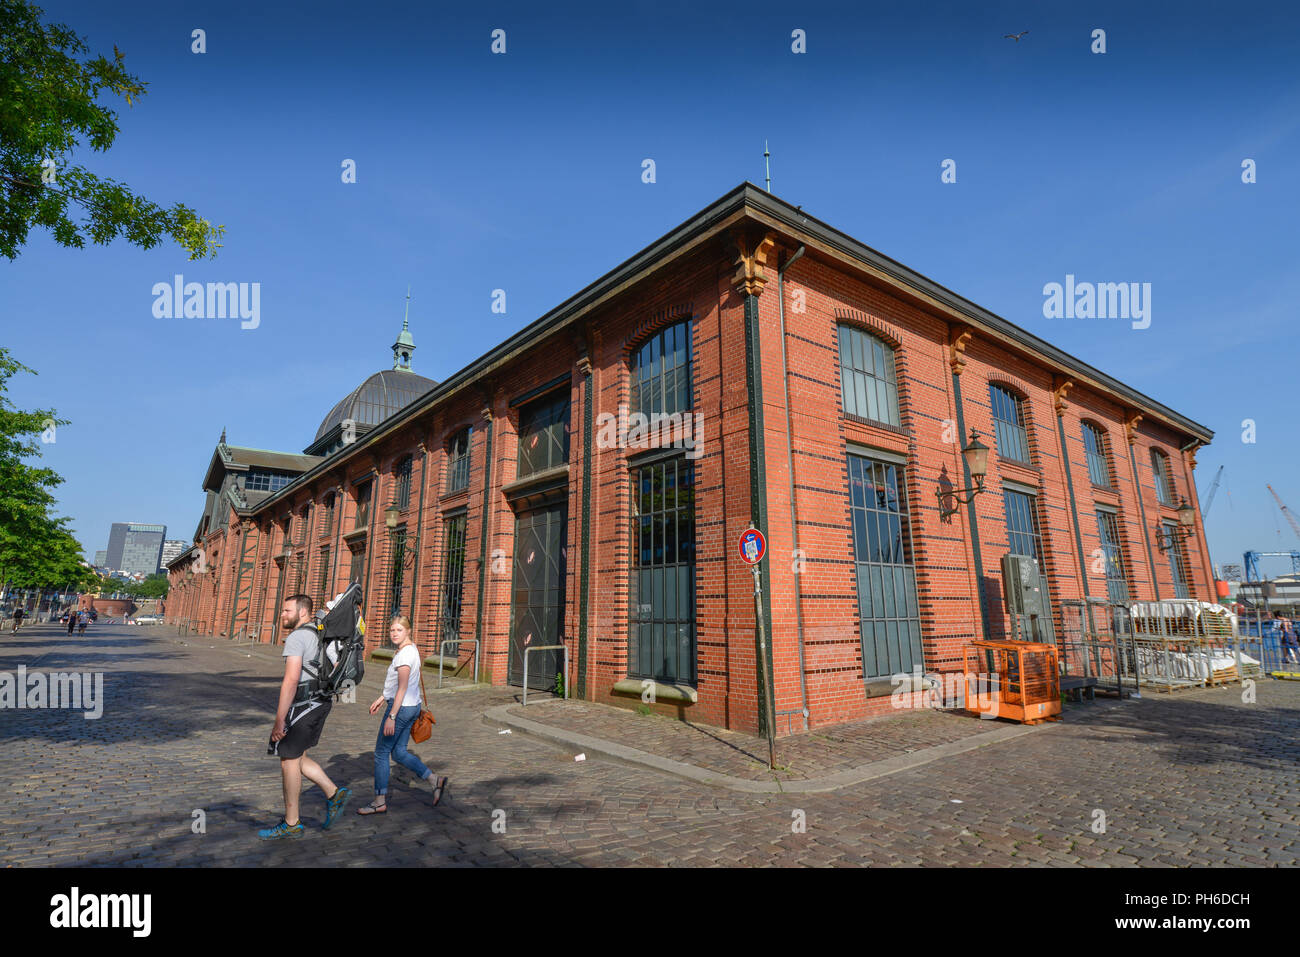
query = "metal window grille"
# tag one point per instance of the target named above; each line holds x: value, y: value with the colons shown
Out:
x: 868, y: 378
x: 363, y: 506
x: 323, y: 589
x: 661, y: 372
x: 886, y: 576
x: 1094, y: 446
x: 1177, y: 560
x: 661, y: 645
x: 357, y: 566
x: 396, y: 575
x: 1160, y: 469
x: 1009, y: 424
x: 1023, y: 538
x: 327, y: 521
x: 403, y: 493
x: 453, y: 575
x: 458, y: 461
x: 262, y: 480
x: 1116, y: 581
x: 543, y: 435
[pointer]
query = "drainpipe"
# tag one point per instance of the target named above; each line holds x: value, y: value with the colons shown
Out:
x: 1203, y: 542
x: 1142, y: 513
x: 789, y: 467
x: 419, y: 535
x: 1074, y: 514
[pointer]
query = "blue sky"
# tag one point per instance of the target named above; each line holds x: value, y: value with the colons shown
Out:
x: 523, y: 172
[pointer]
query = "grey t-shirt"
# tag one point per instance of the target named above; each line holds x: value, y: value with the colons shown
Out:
x: 304, y: 642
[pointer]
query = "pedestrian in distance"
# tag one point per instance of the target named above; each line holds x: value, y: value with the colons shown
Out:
x: 401, y: 705
x: 72, y: 620
x: 83, y: 619
x: 1290, y: 643
x: 299, y: 720
x: 19, y: 615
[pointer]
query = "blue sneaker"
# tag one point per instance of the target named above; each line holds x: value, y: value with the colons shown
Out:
x: 281, y: 830
x: 334, y: 806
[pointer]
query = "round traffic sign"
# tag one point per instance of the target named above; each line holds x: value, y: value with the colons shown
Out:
x: 753, y: 546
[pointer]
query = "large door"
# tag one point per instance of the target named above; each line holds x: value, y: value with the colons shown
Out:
x: 537, y: 595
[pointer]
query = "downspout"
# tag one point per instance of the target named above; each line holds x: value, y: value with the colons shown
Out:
x: 789, y: 467
x: 1142, y: 513
x: 1204, y: 543
x: 970, y: 510
x: 371, y: 544
x: 1074, y: 513
x: 419, y: 533
x: 483, y: 539
x: 584, y: 583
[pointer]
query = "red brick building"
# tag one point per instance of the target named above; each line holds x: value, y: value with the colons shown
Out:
x: 792, y: 378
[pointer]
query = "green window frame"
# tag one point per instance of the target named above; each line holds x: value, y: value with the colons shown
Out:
x: 868, y: 377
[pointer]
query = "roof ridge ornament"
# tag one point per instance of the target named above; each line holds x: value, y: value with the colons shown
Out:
x: 405, y: 345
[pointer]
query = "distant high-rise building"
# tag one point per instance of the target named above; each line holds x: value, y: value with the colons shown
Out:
x: 170, y: 549
x: 101, y: 558
x: 133, y: 547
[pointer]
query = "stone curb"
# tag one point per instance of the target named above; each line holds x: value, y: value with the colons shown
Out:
x: 500, y: 715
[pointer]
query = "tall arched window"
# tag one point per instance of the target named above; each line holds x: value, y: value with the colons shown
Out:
x: 1164, y: 481
x: 868, y: 381
x: 661, y: 372
x: 1094, y: 446
x: 1009, y: 430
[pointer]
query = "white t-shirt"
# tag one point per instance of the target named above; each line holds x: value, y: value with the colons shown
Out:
x: 411, y: 658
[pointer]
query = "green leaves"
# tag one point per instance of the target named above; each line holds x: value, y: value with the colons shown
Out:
x: 36, y: 549
x: 48, y: 108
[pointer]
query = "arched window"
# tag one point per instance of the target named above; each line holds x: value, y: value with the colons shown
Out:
x: 868, y: 381
x: 661, y: 372
x: 1164, y: 481
x: 458, y: 461
x: 1009, y: 424
x: 1094, y: 445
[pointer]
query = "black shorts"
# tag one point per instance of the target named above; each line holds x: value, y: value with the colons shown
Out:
x: 306, y: 721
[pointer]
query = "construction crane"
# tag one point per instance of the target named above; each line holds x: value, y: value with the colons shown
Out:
x: 1286, y: 512
x: 1209, y: 498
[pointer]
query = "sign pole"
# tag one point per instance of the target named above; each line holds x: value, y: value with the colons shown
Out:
x: 762, y: 663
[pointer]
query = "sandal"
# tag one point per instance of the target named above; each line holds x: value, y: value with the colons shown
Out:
x: 373, y: 808
x: 439, y: 787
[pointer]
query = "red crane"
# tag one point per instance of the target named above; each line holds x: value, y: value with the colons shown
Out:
x: 1295, y: 526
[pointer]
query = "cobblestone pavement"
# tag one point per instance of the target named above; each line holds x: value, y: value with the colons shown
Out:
x: 820, y: 752
x: 1197, y: 778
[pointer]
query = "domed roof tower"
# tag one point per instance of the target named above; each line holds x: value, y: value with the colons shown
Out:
x: 379, y: 396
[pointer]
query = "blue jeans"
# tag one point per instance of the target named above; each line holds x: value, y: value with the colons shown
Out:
x: 396, y: 746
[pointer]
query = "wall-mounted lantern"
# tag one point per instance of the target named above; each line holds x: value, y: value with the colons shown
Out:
x: 976, y: 454
x: 391, y: 514
x: 1166, y: 537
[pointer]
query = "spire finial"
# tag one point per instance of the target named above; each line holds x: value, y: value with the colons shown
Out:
x: 404, y: 345
x: 767, y: 165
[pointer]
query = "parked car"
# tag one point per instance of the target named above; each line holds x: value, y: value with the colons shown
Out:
x: 148, y: 619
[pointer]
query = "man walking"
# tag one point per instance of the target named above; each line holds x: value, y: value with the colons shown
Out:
x: 1290, y: 645
x: 19, y: 615
x: 72, y: 620
x: 299, y: 720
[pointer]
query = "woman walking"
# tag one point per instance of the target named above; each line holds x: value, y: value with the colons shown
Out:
x: 401, y: 701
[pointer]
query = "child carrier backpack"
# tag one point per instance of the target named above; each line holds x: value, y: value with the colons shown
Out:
x: 341, y: 650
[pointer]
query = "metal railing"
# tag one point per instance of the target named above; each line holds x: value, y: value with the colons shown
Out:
x: 564, y: 649
x: 442, y: 654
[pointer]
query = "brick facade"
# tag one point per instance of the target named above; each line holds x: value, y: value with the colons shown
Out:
x: 706, y: 278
